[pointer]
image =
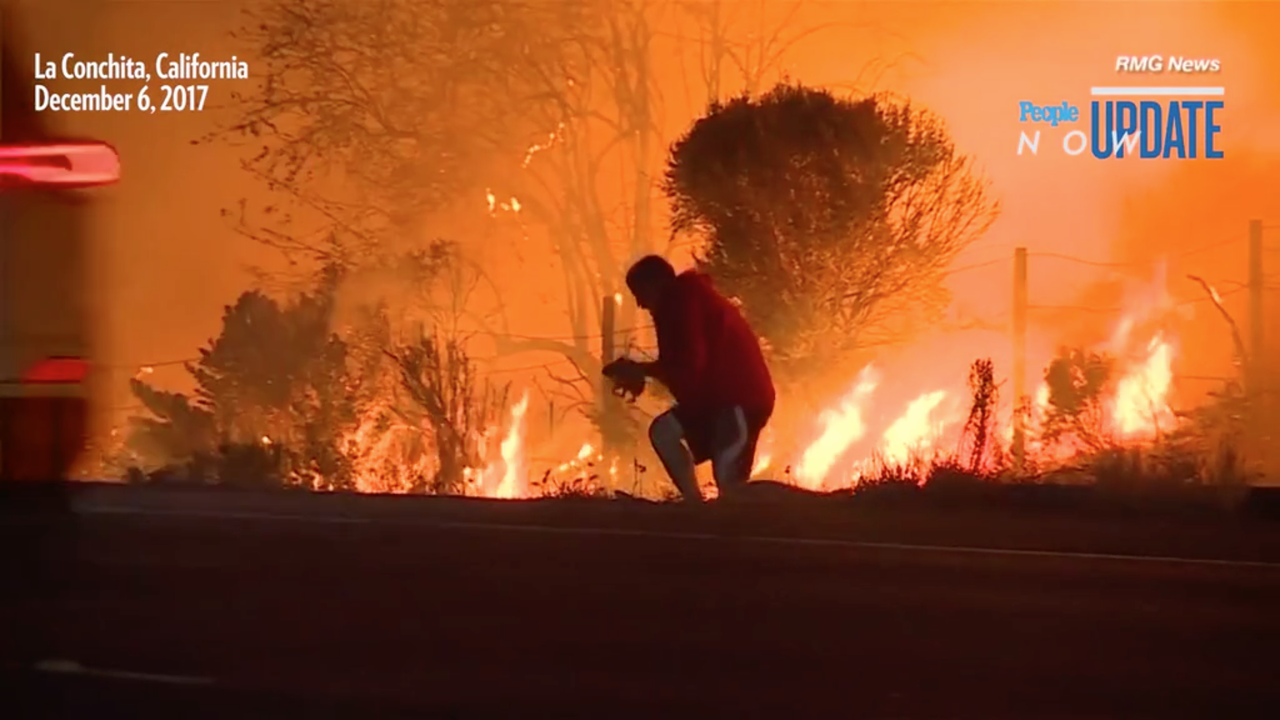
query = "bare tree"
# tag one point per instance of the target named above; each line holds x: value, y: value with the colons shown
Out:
x: 371, y: 113
x: 375, y: 113
x: 743, y: 47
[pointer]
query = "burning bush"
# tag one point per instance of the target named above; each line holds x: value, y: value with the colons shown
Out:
x: 282, y: 400
x: 276, y: 379
x: 831, y: 219
x: 450, y: 402
x: 1077, y: 380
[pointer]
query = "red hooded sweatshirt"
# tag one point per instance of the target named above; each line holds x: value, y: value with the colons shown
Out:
x: 708, y: 356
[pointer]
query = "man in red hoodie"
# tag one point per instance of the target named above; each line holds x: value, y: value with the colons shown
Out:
x: 711, y: 361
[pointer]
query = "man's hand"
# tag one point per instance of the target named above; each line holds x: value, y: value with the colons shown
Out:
x: 628, y: 378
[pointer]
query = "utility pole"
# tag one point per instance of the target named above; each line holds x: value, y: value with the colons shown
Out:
x: 1257, y: 351
x: 1019, y: 358
x: 551, y: 419
x: 608, y: 401
x: 608, y: 322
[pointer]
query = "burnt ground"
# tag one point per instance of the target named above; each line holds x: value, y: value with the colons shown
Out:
x: 235, y: 605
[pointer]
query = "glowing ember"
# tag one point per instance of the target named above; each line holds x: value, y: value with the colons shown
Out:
x: 584, y: 456
x: 552, y: 138
x: 512, y: 205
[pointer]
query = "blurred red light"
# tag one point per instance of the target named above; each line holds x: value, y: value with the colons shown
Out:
x: 61, y: 164
x: 57, y: 370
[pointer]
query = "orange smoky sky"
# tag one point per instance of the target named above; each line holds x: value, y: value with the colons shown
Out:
x: 973, y: 62
x: 172, y: 262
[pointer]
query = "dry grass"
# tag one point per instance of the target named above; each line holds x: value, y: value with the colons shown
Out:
x: 1182, y: 471
x: 569, y: 485
x: 1196, y: 469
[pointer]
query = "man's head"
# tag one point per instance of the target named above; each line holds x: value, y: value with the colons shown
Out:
x: 648, y: 278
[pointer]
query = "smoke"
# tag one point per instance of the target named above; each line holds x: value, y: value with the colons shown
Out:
x: 1113, y: 226
x: 173, y: 262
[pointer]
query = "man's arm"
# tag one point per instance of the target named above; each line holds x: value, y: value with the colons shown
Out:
x: 682, y: 355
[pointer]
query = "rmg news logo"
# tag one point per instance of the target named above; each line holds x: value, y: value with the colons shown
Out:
x: 1125, y: 125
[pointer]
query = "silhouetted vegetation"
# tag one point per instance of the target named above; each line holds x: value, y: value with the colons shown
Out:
x: 449, y: 399
x: 980, y: 425
x: 1077, y: 379
x: 274, y: 393
x: 561, y: 485
x: 282, y: 399
x: 830, y: 219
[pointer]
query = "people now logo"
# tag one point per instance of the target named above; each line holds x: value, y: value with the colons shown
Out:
x: 1149, y: 130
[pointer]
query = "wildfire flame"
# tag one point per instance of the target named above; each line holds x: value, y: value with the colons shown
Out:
x: 916, y: 431
x: 509, y: 477
x: 763, y: 462
x: 871, y: 423
x: 1139, y: 410
x: 841, y: 427
x: 848, y: 442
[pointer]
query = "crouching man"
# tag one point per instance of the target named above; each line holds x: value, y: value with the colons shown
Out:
x: 711, y: 361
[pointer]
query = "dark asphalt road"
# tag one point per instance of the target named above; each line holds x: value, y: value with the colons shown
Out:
x: 321, y: 613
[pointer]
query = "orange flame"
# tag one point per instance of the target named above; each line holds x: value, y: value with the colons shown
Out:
x: 923, y: 427
x: 915, y: 431
x: 842, y: 426
x: 509, y: 477
x: 1139, y: 409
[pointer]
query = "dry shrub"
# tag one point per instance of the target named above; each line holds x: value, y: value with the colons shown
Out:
x: 977, y: 439
x: 451, y: 400
x: 1077, y: 381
